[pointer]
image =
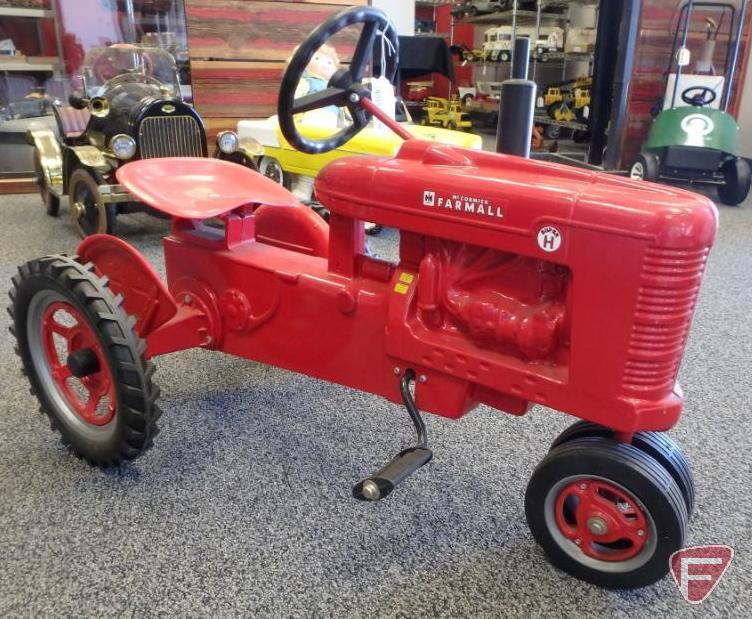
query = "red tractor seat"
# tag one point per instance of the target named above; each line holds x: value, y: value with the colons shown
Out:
x: 199, y: 188
x: 72, y: 121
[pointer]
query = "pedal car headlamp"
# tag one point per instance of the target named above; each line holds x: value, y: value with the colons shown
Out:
x: 228, y: 142
x: 123, y: 146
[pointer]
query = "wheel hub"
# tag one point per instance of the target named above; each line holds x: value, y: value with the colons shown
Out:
x: 76, y: 363
x: 597, y: 525
x: 602, y: 519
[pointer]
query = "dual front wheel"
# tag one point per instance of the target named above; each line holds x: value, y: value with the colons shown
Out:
x: 610, y: 513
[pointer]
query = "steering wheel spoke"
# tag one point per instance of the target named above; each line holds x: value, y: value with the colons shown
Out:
x: 363, y: 51
x: 316, y: 100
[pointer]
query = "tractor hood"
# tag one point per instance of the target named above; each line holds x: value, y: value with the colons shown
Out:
x: 486, y: 199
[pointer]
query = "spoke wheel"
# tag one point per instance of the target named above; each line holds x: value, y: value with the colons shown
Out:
x: 89, y: 212
x: 66, y: 335
x: 84, y: 360
x: 50, y: 200
x: 606, y: 513
x: 272, y: 169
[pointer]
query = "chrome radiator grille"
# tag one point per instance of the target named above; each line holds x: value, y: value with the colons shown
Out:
x: 170, y: 136
x: 670, y: 283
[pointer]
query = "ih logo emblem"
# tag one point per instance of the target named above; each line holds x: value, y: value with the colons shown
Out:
x: 698, y: 569
x: 429, y: 198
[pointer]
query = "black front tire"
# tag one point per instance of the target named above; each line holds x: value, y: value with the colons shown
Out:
x: 655, y: 444
x: 239, y: 158
x: 645, y: 167
x: 737, y: 180
x: 644, y: 512
x: 121, y: 380
x: 90, y: 214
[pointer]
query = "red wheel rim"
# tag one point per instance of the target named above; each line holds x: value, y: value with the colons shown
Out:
x: 71, y: 338
x: 603, y: 519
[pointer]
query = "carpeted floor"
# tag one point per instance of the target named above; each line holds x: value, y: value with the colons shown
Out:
x: 243, y: 507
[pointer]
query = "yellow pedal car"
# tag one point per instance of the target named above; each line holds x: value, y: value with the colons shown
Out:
x: 296, y: 170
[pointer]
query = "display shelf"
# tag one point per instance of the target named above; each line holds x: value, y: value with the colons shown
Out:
x: 11, y: 11
x: 507, y: 17
x: 551, y: 58
x: 544, y: 119
x: 13, y: 65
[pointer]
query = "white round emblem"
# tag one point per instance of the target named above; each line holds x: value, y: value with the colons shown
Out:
x: 549, y: 238
x: 697, y: 124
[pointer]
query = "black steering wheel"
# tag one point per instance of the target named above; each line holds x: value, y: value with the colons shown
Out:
x: 344, y: 88
x: 704, y: 96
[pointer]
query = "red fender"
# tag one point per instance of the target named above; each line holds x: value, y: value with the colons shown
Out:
x: 131, y: 276
x: 295, y: 227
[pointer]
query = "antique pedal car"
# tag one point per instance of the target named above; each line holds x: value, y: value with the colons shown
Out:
x: 537, y: 283
x: 127, y: 106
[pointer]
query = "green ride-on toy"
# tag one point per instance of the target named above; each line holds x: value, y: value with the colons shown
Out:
x: 693, y: 138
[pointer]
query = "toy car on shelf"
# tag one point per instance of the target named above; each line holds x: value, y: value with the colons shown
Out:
x: 446, y: 113
x: 517, y: 282
x: 127, y: 105
x: 498, y: 42
x: 471, y: 8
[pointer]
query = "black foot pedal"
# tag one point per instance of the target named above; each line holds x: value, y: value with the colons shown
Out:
x: 406, y: 462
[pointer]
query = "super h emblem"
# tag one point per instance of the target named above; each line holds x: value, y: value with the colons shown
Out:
x: 549, y: 239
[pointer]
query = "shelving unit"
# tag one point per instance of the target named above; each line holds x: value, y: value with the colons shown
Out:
x: 11, y: 11
x: 17, y: 161
x: 49, y: 64
x: 516, y: 17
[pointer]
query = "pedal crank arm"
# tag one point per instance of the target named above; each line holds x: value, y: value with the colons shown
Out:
x: 399, y: 468
x: 406, y: 462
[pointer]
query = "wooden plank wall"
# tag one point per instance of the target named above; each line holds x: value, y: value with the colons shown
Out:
x: 658, y: 20
x: 238, y: 50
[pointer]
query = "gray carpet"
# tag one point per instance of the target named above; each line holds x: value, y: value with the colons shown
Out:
x: 243, y: 507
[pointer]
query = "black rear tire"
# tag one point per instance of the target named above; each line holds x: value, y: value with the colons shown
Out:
x: 737, y: 180
x: 655, y: 444
x: 120, y: 424
x: 645, y: 512
x: 50, y: 200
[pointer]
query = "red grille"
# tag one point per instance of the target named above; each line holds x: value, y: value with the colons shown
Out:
x: 665, y: 303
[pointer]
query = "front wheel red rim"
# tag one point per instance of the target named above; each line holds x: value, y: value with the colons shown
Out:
x: 64, y: 331
x: 602, y: 519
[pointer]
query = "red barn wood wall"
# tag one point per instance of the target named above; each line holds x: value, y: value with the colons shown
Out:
x: 658, y: 19
x: 238, y: 50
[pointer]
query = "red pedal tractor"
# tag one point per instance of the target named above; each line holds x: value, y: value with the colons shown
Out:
x: 518, y: 282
